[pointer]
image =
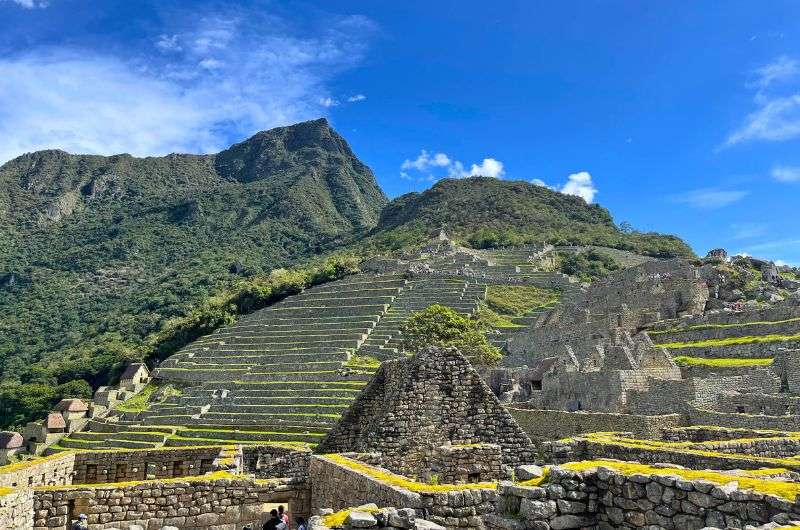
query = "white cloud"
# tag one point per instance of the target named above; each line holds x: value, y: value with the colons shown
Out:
x: 488, y: 168
x: 93, y: 102
x: 781, y: 69
x: 748, y: 230
x: 328, y: 102
x: 710, y: 198
x: 356, y: 98
x: 786, y: 174
x: 30, y: 4
x: 210, y: 64
x: 579, y: 184
x: 781, y: 263
x: 776, y: 119
x: 168, y: 43
x: 777, y: 99
x: 427, y: 162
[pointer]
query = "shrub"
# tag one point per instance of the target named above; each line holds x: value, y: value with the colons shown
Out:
x: 441, y: 326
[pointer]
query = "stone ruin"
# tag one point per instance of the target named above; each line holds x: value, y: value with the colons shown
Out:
x: 588, y: 353
x: 431, y: 412
x: 430, y: 440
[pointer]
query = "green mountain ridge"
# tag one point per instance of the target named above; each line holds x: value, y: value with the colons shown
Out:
x: 487, y: 212
x: 98, y: 254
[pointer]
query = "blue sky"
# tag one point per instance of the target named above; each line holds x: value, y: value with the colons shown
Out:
x: 680, y: 117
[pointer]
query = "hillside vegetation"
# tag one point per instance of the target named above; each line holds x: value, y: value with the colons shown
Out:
x: 107, y: 260
x: 485, y: 212
x: 98, y: 254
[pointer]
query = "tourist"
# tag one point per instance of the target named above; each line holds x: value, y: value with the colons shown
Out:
x: 284, y: 516
x: 273, y: 522
x: 81, y: 523
x: 301, y: 523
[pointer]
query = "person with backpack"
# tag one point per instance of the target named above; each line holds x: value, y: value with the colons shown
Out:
x: 273, y: 522
x: 81, y: 523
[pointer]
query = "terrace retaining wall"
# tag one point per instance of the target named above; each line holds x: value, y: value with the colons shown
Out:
x: 556, y: 424
x: 198, y: 505
x: 606, y: 499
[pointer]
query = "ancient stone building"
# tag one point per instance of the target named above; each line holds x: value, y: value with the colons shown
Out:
x: 414, y: 406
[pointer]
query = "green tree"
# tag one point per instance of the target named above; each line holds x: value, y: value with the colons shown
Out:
x: 441, y: 326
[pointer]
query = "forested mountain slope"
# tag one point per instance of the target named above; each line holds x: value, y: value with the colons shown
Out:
x: 96, y: 253
x: 487, y: 212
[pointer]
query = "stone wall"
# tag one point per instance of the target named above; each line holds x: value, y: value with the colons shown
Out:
x: 607, y: 499
x: 200, y: 505
x: 48, y: 471
x: 121, y: 466
x: 271, y: 461
x: 702, y: 433
x: 700, y: 416
x: 16, y: 509
x: 555, y: 424
x: 339, y: 487
x: 586, y: 449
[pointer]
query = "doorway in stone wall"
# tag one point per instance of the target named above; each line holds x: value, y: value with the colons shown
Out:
x: 75, y: 507
x: 269, y: 506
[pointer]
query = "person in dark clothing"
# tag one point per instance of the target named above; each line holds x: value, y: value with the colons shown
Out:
x: 301, y: 523
x: 273, y: 521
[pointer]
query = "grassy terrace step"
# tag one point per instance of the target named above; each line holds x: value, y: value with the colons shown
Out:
x: 297, y: 398
x: 276, y: 419
x: 296, y: 427
x: 297, y: 341
x: 270, y: 358
x: 274, y: 393
x: 267, y: 368
x: 732, y: 341
x: 725, y: 331
x: 287, y: 334
x: 257, y: 386
x: 267, y: 348
x: 157, y: 437
x: 277, y: 326
x: 246, y: 435
x: 279, y: 317
x: 291, y: 408
x: 330, y: 302
x: 236, y: 375
x: 302, y: 376
x: 363, y: 291
x: 313, y: 311
x: 721, y: 363
x: 97, y: 425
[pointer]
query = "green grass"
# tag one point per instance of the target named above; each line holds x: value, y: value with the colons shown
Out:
x: 731, y: 341
x: 519, y: 300
x: 363, y: 362
x: 683, y: 360
x: 140, y: 402
x: 723, y: 326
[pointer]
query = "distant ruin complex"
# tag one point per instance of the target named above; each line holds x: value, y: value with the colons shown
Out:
x: 665, y: 395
